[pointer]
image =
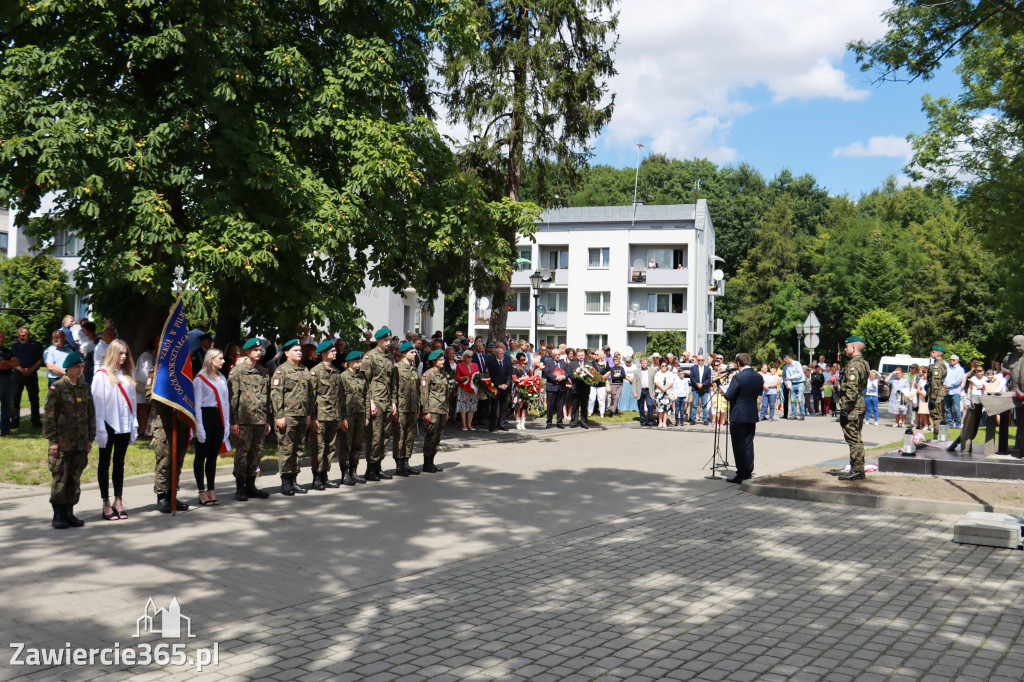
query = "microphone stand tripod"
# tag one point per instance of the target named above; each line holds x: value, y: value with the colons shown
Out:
x: 716, y: 451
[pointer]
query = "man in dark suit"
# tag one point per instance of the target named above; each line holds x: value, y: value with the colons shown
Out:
x: 499, y: 368
x: 556, y: 377
x: 700, y: 387
x: 744, y: 389
x: 579, y: 392
x: 480, y: 358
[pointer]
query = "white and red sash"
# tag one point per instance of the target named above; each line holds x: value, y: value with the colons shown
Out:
x: 124, y: 394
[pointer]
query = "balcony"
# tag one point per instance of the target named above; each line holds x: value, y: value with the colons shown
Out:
x: 662, y: 321
x: 661, y: 277
x: 521, y: 278
x: 553, y: 319
x: 717, y: 289
x: 520, y: 319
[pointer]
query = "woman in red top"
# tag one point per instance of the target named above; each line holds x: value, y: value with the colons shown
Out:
x: 466, y: 403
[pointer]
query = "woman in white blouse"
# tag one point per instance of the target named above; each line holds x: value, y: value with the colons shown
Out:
x: 664, y: 381
x: 113, y: 396
x: 213, y: 424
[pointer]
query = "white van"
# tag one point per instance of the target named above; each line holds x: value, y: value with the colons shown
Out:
x: 890, y: 362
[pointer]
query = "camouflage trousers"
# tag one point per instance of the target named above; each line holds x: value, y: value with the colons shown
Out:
x: 162, y: 426
x: 434, y: 431
x: 936, y: 411
x: 350, y: 443
x: 67, y: 467
x: 249, y: 449
x: 380, y: 430
x: 290, y: 441
x: 403, y: 435
x: 325, y: 444
x: 852, y: 427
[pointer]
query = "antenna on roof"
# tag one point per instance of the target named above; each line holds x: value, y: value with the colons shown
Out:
x: 636, y: 183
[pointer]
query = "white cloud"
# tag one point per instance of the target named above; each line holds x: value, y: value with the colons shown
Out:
x: 879, y: 145
x: 687, y: 69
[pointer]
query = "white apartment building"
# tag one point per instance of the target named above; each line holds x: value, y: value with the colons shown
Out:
x: 614, y: 275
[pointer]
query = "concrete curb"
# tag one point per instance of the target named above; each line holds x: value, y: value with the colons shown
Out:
x: 872, y: 501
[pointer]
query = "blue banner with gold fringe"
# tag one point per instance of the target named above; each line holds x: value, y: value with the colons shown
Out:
x: 172, y: 380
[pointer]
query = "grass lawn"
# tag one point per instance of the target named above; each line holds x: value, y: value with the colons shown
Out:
x: 23, y: 458
x: 953, y: 433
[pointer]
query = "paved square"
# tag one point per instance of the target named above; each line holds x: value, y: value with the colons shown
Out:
x: 601, y: 555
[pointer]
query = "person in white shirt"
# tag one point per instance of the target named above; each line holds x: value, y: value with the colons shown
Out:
x: 770, y: 393
x: 794, y: 376
x: 213, y: 424
x: 100, y: 351
x: 664, y: 380
x: 682, y: 390
x: 113, y: 396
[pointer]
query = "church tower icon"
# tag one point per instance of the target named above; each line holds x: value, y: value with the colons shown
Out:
x: 168, y: 623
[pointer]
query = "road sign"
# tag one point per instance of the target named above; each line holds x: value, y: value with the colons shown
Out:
x: 811, y: 341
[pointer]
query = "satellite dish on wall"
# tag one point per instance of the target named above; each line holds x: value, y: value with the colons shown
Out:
x: 483, y: 303
x: 638, y: 264
x: 545, y: 274
x: 628, y: 352
x: 542, y: 310
x: 718, y: 275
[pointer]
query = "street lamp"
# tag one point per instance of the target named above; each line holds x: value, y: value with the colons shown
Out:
x: 535, y: 280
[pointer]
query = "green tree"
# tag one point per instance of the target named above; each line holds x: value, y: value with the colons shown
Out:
x: 37, y: 283
x: 666, y: 342
x: 531, y: 89
x: 963, y: 349
x: 281, y: 152
x: 884, y: 334
x: 972, y: 141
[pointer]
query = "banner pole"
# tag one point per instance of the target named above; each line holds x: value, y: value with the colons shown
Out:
x: 174, y: 463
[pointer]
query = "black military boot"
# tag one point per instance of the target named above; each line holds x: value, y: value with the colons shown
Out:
x: 163, y: 503
x: 286, y: 486
x: 240, y: 494
x: 348, y: 476
x: 371, y: 471
x: 59, y: 520
x: 355, y: 475
x: 69, y: 514
x: 181, y: 505
x: 384, y: 476
x: 325, y: 477
x: 318, y: 482
x: 428, y: 465
x: 412, y: 470
x: 401, y: 468
x: 252, y: 491
x: 298, y: 488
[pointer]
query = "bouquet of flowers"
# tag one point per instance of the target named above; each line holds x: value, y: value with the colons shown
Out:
x: 483, y: 383
x: 528, y: 388
x: 586, y: 374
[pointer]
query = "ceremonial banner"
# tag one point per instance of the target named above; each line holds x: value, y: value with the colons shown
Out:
x: 172, y: 380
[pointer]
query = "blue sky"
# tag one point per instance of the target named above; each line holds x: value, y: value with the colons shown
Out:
x: 770, y: 84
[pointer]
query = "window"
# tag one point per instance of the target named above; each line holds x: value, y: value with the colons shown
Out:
x: 558, y: 259
x: 661, y: 258
x: 599, y: 302
x: 525, y: 253
x: 597, y: 341
x: 3, y: 242
x: 557, y: 301
x: 666, y: 303
x: 519, y: 300
x: 598, y: 258
x: 554, y: 339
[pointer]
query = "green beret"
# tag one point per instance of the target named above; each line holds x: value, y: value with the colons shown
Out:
x: 491, y: 344
x: 406, y: 346
x: 354, y: 355
x: 856, y: 339
x: 381, y: 333
x: 252, y: 343
x: 325, y: 346
x: 434, y: 355
x: 289, y: 344
x: 73, y: 359
x: 939, y: 348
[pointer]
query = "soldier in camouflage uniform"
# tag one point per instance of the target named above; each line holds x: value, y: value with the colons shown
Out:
x: 381, y: 409
x: 69, y: 424
x: 405, y: 387
x: 852, y: 407
x: 434, y: 406
x: 328, y: 414
x: 163, y: 425
x: 291, y: 397
x: 249, y: 389
x: 350, y: 437
x: 936, y: 388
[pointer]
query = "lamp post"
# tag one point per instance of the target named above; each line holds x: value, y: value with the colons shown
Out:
x: 535, y: 280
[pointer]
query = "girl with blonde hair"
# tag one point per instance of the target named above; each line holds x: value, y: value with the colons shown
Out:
x: 113, y: 396
x: 213, y: 424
